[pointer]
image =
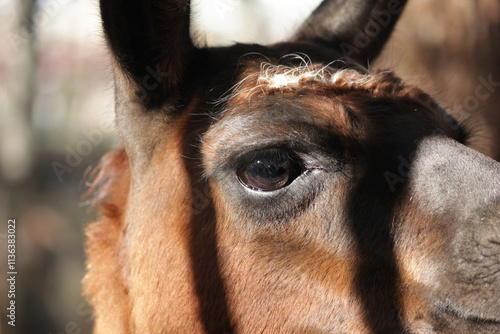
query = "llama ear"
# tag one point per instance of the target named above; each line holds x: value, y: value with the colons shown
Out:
x: 358, y: 28
x: 150, y: 43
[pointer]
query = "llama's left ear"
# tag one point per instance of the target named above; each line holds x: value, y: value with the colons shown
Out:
x: 357, y: 28
x: 151, y: 44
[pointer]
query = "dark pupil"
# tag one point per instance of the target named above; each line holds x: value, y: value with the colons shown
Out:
x: 264, y: 175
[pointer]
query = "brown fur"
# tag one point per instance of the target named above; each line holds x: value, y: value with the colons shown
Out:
x: 106, y: 283
x: 184, y: 247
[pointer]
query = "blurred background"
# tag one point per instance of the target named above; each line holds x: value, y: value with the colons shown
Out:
x: 55, y: 93
x: 56, y: 118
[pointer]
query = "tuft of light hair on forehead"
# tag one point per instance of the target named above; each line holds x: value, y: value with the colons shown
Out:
x: 279, y: 77
x: 288, y: 77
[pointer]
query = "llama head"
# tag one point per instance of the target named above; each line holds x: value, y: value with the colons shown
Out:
x: 286, y: 187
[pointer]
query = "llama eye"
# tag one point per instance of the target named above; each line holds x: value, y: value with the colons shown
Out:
x: 268, y: 174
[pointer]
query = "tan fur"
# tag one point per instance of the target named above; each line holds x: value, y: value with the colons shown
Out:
x: 105, y: 281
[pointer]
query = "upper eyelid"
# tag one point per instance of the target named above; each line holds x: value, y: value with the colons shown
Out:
x: 310, y: 157
x: 320, y: 146
x: 251, y: 156
x: 237, y: 160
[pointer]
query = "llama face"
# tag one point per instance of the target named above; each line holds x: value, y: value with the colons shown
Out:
x: 286, y: 188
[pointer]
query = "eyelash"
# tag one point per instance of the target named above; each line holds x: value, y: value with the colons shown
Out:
x: 278, y: 153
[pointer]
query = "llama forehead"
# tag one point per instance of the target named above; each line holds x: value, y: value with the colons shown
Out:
x: 332, y: 80
x: 341, y: 98
x: 293, y: 77
x: 265, y: 78
x: 338, y: 93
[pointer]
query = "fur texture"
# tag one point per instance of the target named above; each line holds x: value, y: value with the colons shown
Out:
x: 374, y: 230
